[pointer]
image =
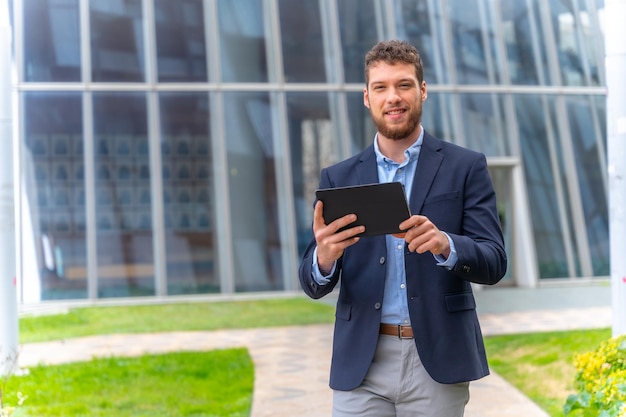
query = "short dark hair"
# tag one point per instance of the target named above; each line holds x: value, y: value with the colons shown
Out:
x: 392, y: 52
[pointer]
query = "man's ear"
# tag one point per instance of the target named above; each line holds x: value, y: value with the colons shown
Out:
x: 366, y: 99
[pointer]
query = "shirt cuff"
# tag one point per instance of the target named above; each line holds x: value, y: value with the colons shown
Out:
x: 452, y: 258
x: 317, y: 274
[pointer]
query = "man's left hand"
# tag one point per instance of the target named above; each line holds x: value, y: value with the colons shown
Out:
x: 422, y: 235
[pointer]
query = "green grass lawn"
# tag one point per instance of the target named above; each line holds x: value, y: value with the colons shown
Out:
x: 205, y: 384
x: 217, y: 383
x: 175, y: 317
x: 539, y: 364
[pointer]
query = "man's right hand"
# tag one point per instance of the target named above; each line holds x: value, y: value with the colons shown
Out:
x: 330, y: 243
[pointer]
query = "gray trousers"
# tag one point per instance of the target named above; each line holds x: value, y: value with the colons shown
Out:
x: 397, y: 385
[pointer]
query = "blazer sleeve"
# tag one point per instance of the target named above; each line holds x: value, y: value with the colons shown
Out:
x: 480, y: 245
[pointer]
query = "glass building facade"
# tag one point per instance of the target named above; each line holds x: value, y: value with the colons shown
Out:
x: 172, y: 147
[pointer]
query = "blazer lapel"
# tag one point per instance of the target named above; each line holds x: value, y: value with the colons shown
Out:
x: 427, y: 166
x: 367, y: 171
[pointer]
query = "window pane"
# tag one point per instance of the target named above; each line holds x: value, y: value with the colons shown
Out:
x: 358, y: 35
x: 484, y: 123
x: 574, y: 32
x: 117, y: 52
x: 53, y: 170
x: 438, y: 116
x: 362, y: 129
x: 180, y: 41
x: 313, y: 147
x: 302, y: 41
x: 472, y: 42
x: 242, y: 41
x: 538, y: 139
x: 188, y: 194
x: 123, y: 196
x: 51, y: 41
x: 421, y: 23
x: 524, y: 43
x: 253, y: 207
x: 588, y: 130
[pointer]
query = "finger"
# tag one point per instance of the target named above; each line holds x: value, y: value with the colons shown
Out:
x: 350, y: 233
x: 424, y: 242
x: 425, y: 247
x: 416, y: 236
x: 331, y: 246
x: 329, y: 236
x: 412, y: 221
x: 318, y: 214
x: 319, y: 221
x: 342, y: 222
x: 415, y: 243
x: 407, y: 224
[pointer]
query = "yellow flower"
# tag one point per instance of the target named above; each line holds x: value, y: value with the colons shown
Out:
x: 602, y: 375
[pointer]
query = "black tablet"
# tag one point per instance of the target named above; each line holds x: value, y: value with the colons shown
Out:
x: 378, y: 207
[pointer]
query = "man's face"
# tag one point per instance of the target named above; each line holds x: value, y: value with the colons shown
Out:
x: 395, y: 96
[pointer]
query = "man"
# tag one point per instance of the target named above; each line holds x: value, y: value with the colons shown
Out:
x: 407, y: 339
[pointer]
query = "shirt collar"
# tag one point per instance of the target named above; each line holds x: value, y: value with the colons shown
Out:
x: 409, y: 155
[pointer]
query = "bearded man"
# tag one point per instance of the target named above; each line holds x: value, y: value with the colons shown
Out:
x: 407, y: 339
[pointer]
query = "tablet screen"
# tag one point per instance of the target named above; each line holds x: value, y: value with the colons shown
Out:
x: 378, y: 207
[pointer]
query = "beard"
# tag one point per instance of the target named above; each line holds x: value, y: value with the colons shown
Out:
x: 398, y: 132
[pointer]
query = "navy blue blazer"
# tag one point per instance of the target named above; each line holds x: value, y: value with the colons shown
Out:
x: 453, y: 189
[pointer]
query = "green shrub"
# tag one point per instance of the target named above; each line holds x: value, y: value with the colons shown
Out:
x: 600, y: 381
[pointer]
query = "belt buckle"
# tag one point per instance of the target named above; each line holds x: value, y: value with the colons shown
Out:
x: 401, y: 332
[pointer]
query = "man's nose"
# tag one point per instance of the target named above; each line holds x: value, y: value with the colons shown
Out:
x: 393, y: 96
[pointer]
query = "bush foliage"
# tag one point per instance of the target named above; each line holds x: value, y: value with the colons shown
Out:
x: 600, y: 381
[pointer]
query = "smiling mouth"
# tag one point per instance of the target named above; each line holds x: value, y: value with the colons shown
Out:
x: 395, y: 112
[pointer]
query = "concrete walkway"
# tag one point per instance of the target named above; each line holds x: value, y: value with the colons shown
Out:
x: 292, y: 363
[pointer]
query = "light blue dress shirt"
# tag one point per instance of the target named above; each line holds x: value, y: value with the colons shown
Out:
x: 395, y: 309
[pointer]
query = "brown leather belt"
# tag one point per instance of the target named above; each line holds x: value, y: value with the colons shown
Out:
x: 403, y: 332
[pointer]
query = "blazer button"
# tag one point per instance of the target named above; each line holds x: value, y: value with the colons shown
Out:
x: 377, y: 306
x: 466, y: 269
x: 382, y: 260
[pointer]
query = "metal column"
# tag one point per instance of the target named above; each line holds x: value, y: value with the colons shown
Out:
x: 615, y: 12
x: 8, y: 294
